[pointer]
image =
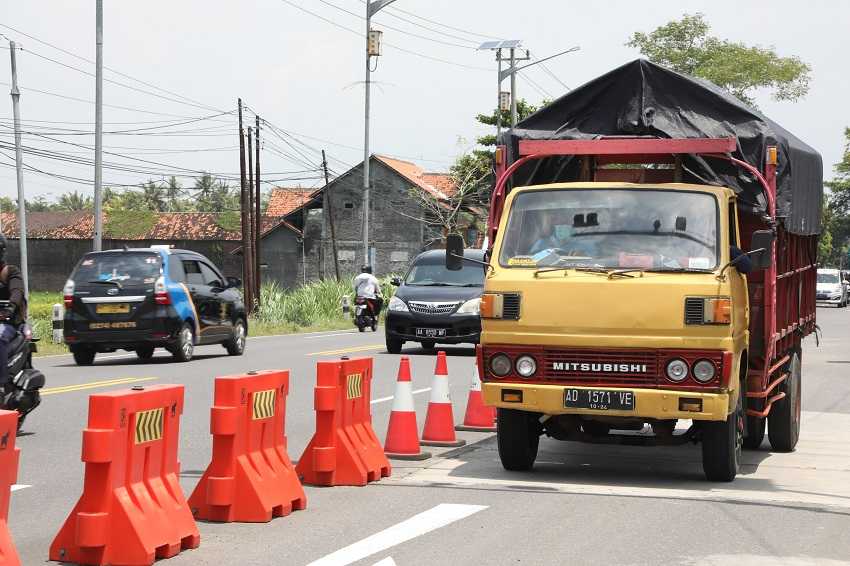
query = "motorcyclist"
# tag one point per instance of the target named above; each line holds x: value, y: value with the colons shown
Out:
x: 367, y: 286
x: 12, y: 316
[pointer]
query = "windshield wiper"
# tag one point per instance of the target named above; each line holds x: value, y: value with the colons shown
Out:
x: 680, y: 270
x: 432, y: 284
x: 108, y: 282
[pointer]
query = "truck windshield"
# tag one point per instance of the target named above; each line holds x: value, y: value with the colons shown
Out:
x: 612, y: 228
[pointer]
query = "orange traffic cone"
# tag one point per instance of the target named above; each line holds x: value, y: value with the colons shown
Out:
x: 402, y: 441
x: 439, y: 421
x: 479, y: 417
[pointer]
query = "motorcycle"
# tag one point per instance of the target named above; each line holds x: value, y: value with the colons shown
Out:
x: 363, y: 315
x: 22, y: 392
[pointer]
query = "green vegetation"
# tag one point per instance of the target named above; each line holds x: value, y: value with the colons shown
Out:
x: 230, y: 221
x: 313, y: 307
x: 123, y: 224
x: 686, y: 46
x: 835, y: 238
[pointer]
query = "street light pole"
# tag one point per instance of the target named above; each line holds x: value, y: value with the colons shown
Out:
x: 19, y: 166
x: 372, y: 8
x: 98, y: 129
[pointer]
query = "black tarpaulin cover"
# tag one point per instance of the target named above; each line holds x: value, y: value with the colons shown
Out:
x: 644, y: 99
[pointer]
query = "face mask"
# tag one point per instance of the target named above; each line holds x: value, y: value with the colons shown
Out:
x: 563, y: 231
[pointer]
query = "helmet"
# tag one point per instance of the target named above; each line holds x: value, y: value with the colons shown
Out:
x: 2, y: 248
x: 365, y: 268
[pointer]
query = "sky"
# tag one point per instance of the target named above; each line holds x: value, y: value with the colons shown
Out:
x: 303, y: 73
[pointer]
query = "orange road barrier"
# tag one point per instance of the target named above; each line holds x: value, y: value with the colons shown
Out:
x: 132, y: 510
x: 479, y: 417
x: 344, y: 449
x: 9, y: 455
x: 402, y: 441
x: 250, y: 478
x: 439, y: 420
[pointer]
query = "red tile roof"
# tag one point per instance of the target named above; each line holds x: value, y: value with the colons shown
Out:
x: 168, y: 226
x: 284, y: 200
x: 438, y: 184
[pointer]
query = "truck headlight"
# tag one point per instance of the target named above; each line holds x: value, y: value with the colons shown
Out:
x: 677, y: 370
x: 472, y: 306
x: 397, y: 305
x: 704, y: 371
x: 526, y: 366
x: 500, y: 365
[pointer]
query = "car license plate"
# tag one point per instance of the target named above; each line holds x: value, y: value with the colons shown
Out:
x: 599, y: 399
x: 431, y: 332
x: 113, y: 308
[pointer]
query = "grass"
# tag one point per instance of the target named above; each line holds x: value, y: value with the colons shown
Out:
x: 314, y: 307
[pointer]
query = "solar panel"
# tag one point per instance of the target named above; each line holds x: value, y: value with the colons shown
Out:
x: 501, y: 44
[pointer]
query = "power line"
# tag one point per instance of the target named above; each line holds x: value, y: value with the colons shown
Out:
x: 396, y: 47
x: 411, y: 14
x: 426, y: 38
x: 80, y: 57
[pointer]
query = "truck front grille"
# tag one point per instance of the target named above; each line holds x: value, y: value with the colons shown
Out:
x: 511, y: 306
x: 694, y: 310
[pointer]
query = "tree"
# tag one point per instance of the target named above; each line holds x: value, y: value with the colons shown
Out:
x: 215, y: 195
x: 7, y: 205
x: 154, y: 197
x: 686, y: 46
x: 38, y: 204
x: 835, y: 227
x: 74, y: 201
x: 477, y: 166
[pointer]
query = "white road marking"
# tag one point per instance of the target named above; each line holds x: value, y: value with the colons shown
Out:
x: 328, y: 335
x: 418, y: 525
x: 385, y: 399
x: 19, y: 486
x: 388, y: 561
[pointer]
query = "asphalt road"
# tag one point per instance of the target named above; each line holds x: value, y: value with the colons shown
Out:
x: 582, y: 504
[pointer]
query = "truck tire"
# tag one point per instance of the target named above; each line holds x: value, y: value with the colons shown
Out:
x: 722, y: 444
x: 518, y: 436
x: 754, y: 434
x: 783, y: 426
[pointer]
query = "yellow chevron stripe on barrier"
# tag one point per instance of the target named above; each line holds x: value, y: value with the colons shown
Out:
x: 263, y: 404
x: 354, y: 384
x: 148, y: 425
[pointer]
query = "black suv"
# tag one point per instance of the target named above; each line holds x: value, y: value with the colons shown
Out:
x: 433, y: 304
x: 142, y: 299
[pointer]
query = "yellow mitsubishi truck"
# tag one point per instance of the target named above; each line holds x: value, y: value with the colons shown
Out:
x: 652, y: 257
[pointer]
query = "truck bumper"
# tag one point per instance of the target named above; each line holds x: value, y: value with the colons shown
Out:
x: 660, y: 404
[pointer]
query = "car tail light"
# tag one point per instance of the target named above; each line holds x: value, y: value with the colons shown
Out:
x: 68, y: 293
x: 160, y: 293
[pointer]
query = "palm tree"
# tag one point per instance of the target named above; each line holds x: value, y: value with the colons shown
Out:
x: 74, y: 201
x: 154, y: 196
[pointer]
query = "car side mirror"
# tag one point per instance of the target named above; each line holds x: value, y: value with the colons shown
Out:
x: 761, y: 246
x: 234, y: 283
x: 396, y: 281
x: 454, y: 252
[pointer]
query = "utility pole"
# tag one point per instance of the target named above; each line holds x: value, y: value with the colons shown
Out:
x: 258, y: 220
x: 19, y: 169
x: 250, y: 199
x: 499, y: 95
x: 373, y: 49
x: 98, y: 129
x: 243, y: 206
x: 328, y: 207
x: 513, y: 88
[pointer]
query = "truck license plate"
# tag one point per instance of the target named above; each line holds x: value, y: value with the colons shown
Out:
x: 113, y: 308
x: 431, y: 332
x: 599, y: 399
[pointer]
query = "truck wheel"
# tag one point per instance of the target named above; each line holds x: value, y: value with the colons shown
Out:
x: 83, y: 356
x: 394, y: 345
x: 722, y: 444
x: 783, y: 427
x: 518, y: 435
x: 754, y: 434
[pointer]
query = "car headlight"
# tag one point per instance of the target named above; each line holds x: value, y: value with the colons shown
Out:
x: 677, y: 370
x: 704, y: 371
x: 397, y: 305
x: 526, y: 366
x: 472, y: 306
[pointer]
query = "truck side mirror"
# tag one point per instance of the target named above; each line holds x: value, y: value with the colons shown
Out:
x: 761, y: 245
x: 454, y: 252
